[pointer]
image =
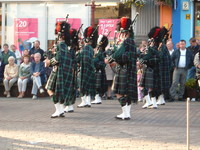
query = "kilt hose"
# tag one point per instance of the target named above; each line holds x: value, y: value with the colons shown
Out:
x: 51, y: 83
x: 98, y: 79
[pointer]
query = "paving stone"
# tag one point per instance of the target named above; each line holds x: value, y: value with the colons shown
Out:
x: 26, y: 124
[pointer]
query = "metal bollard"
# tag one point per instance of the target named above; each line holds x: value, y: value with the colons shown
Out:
x: 188, y: 123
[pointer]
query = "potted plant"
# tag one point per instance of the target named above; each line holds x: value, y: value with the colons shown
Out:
x: 137, y: 3
x: 164, y: 2
x: 191, y: 88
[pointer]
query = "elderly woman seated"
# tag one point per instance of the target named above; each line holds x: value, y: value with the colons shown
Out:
x: 38, y: 75
x: 24, y: 76
x: 10, y: 75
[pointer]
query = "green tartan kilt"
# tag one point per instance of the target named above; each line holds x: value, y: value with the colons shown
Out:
x: 147, y: 79
x: 101, y: 82
x: 120, y: 82
x: 51, y: 83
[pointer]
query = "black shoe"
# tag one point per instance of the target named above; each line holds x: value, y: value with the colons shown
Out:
x: 181, y: 99
x: 171, y: 100
x: 119, y: 118
x: 62, y: 115
x: 99, y: 103
x: 110, y: 98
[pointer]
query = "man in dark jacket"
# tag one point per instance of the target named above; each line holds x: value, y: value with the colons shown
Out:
x: 182, y: 60
x: 36, y: 49
x: 194, y: 48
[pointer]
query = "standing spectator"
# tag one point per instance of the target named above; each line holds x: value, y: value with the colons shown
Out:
x: 139, y: 76
x: 36, y: 49
x: 5, y: 54
x: 38, y: 75
x: 10, y: 75
x: 25, y: 54
x: 170, y: 47
x: 109, y: 77
x: 182, y: 60
x: 1, y: 71
x: 17, y: 53
x: 24, y: 76
x: 177, y: 45
x: 197, y: 65
x: 194, y: 48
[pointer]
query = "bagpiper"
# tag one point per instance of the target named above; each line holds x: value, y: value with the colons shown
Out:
x: 87, y: 69
x: 165, y: 66
x: 125, y: 56
x: 60, y: 81
x: 154, y: 69
x: 101, y: 86
x: 74, y: 46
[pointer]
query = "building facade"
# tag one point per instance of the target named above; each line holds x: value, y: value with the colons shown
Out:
x: 23, y: 21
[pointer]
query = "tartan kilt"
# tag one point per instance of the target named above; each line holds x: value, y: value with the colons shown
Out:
x: 101, y: 82
x: 120, y: 82
x: 51, y: 83
x: 147, y: 79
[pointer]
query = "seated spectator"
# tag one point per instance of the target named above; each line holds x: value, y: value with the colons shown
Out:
x: 5, y: 54
x: 17, y: 53
x: 25, y: 53
x: 36, y: 49
x: 10, y: 75
x: 38, y: 75
x: 24, y: 76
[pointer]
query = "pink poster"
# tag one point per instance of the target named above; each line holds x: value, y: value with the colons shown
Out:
x: 107, y: 25
x: 74, y: 22
x: 25, y: 32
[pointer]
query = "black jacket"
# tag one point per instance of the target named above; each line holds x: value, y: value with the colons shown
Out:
x: 33, y: 51
x: 176, y: 56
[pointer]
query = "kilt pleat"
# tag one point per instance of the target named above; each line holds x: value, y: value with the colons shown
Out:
x: 120, y: 82
x: 51, y: 83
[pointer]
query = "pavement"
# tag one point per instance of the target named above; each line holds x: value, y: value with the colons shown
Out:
x: 26, y: 125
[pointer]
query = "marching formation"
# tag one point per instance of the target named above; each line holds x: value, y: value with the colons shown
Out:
x: 79, y: 64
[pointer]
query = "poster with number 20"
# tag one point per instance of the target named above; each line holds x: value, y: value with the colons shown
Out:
x: 25, y: 32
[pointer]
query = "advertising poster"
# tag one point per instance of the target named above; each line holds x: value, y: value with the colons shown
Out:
x: 107, y: 25
x: 74, y: 22
x: 25, y: 32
